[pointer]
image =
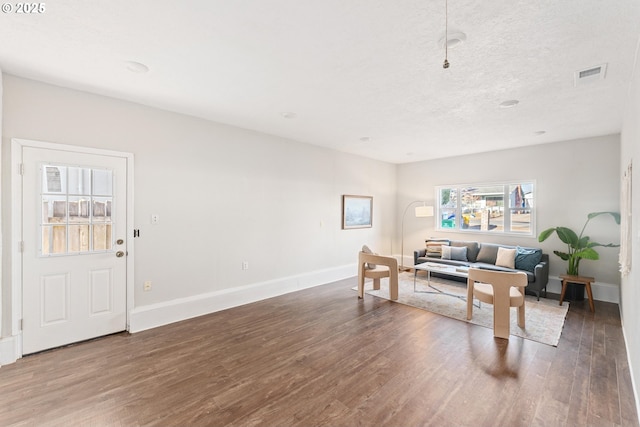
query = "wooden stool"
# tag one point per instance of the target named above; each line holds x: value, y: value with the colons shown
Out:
x: 581, y: 280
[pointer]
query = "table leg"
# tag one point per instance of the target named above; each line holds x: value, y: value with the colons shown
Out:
x: 415, y: 273
x: 564, y: 289
x: 590, y: 296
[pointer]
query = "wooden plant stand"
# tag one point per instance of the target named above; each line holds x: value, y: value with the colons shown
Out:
x: 581, y: 280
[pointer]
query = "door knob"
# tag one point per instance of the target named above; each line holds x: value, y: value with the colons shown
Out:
x: 119, y: 254
x: 119, y: 242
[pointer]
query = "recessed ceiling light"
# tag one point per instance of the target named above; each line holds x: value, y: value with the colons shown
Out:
x: 137, y: 67
x: 365, y: 139
x: 453, y: 40
x: 288, y: 115
x: 509, y: 104
x: 540, y: 132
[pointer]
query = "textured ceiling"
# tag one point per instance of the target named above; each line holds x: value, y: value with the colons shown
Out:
x: 349, y: 70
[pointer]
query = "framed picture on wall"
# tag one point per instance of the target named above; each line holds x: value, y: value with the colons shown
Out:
x: 357, y: 212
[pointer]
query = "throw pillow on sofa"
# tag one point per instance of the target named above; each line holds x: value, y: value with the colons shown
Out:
x: 434, y: 247
x: 454, y: 253
x: 488, y: 253
x: 506, y: 257
x: 527, y: 259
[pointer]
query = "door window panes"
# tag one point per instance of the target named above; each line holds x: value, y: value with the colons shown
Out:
x: 75, y: 212
x: 79, y: 180
x: 54, y: 209
x: 54, y: 180
x: 54, y: 239
x: 79, y: 239
x: 103, y: 183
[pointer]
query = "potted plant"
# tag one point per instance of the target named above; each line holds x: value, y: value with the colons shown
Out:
x: 578, y: 246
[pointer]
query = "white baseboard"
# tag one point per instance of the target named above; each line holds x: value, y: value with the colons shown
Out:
x: 633, y: 383
x: 152, y: 316
x: 606, y: 292
x: 9, y: 350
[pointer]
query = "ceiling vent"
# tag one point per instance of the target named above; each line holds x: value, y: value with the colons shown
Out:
x: 590, y: 75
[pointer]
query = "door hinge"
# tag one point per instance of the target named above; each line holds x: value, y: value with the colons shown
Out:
x: 21, y: 169
x: 21, y: 246
x: 20, y: 324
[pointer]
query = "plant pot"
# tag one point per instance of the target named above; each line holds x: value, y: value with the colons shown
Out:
x: 575, y: 292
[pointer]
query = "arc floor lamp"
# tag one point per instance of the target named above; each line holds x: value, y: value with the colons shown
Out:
x: 423, y: 211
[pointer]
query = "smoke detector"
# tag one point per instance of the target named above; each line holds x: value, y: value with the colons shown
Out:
x: 454, y: 39
x: 136, y: 67
x: 589, y: 75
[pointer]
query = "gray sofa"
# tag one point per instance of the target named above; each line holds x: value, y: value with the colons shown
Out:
x: 483, y: 255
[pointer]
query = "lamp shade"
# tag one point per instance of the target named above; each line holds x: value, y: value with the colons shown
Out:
x: 424, y: 211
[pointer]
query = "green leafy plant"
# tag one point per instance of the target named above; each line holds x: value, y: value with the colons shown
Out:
x: 578, y: 246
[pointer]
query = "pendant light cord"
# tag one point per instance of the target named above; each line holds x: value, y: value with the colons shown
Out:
x: 446, y: 34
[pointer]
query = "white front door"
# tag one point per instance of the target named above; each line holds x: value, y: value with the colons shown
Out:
x: 74, y: 263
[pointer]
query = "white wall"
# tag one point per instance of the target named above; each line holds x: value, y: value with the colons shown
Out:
x: 224, y: 195
x: 573, y: 178
x: 630, y: 291
x: 2, y: 290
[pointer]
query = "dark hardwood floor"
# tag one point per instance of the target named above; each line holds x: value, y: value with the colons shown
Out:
x: 323, y: 357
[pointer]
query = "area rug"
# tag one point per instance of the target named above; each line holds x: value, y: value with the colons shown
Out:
x: 544, y: 319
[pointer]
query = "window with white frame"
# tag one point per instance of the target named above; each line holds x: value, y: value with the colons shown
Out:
x: 491, y: 208
x: 75, y: 210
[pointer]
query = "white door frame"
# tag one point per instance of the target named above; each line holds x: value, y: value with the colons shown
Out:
x: 16, y: 227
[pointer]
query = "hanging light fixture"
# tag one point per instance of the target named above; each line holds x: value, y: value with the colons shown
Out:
x: 446, y: 34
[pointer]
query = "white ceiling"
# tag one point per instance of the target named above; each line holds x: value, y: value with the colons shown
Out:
x: 348, y: 69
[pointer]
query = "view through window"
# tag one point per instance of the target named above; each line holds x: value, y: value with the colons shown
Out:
x: 76, y: 210
x: 495, y: 208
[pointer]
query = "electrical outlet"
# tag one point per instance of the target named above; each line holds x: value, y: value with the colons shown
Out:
x: 245, y: 265
x: 155, y: 218
x: 147, y: 286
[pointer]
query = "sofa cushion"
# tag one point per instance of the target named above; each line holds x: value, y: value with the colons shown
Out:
x: 530, y: 276
x: 472, y: 248
x: 488, y: 253
x: 527, y: 258
x: 422, y: 259
x: 451, y: 262
x: 454, y: 253
x: 506, y: 257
